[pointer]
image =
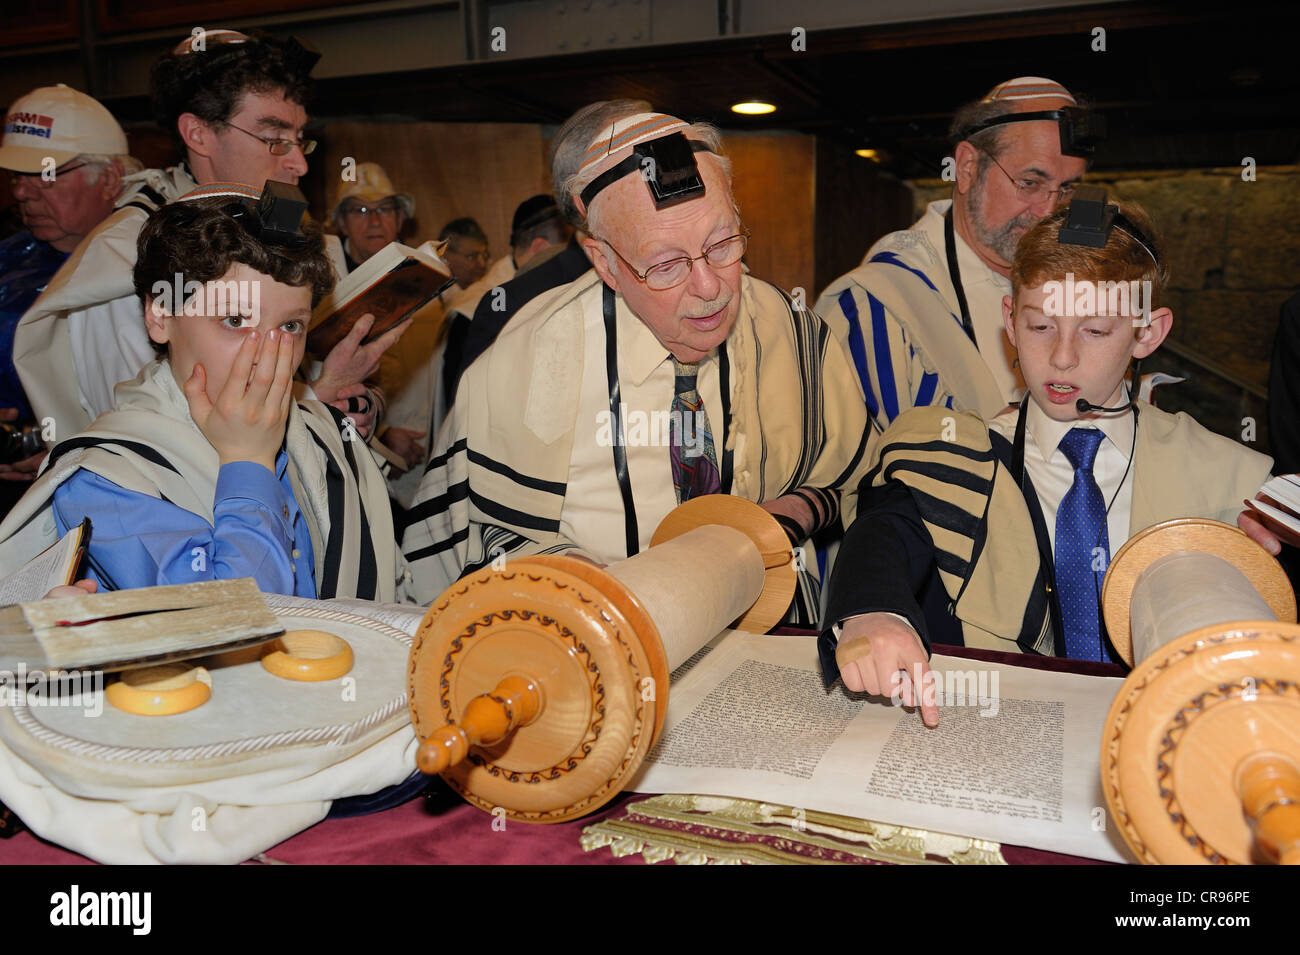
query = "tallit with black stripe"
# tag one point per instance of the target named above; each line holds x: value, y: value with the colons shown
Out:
x: 96, y: 274
x: 996, y: 582
x: 149, y: 444
x: 496, y: 482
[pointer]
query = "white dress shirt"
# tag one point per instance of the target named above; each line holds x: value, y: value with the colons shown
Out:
x: 593, y: 515
x: 1052, y: 474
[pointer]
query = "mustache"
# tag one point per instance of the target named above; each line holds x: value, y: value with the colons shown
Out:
x: 708, y: 308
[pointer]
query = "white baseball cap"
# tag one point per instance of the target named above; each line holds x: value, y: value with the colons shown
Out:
x: 60, y: 123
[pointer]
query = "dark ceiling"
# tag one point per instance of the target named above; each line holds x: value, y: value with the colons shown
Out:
x: 1186, y: 85
x: 1195, y: 86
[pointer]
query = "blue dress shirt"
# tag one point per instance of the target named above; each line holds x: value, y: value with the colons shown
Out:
x: 136, y: 540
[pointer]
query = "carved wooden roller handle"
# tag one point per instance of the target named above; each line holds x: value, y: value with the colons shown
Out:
x: 488, y: 719
x: 1270, y: 793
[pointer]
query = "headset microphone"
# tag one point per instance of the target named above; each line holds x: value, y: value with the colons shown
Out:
x: 1083, y: 407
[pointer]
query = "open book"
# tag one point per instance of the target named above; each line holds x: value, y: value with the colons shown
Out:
x: 1281, y: 505
x: 393, y: 284
x: 129, y: 628
x: 56, y: 566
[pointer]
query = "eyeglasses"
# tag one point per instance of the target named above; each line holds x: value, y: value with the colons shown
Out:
x: 386, y: 210
x: 1033, y: 190
x: 482, y: 255
x: 280, y: 147
x: 674, y: 272
x: 38, y: 178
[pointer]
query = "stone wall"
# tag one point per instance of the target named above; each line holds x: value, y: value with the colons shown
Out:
x: 1234, y: 258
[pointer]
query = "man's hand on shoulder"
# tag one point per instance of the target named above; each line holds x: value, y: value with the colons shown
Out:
x: 873, y: 649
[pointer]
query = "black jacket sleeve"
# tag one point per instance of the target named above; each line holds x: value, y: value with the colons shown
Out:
x: 885, y: 560
x: 1284, y: 391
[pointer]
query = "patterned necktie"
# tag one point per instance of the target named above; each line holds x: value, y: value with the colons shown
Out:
x: 695, y: 463
x: 1082, y: 547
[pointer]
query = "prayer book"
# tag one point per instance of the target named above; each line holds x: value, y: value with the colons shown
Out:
x: 1281, y: 504
x: 393, y: 284
x: 56, y: 566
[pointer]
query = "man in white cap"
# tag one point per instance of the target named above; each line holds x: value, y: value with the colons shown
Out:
x: 664, y: 374
x: 68, y: 157
x: 923, y: 312
x: 368, y: 214
x: 235, y: 105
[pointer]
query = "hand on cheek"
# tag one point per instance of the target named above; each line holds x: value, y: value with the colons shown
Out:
x: 246, y: 419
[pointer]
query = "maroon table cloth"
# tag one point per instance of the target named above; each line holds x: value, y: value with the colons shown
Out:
x: 439, y: 828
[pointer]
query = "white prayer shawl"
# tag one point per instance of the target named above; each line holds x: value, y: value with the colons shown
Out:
x: 926, y: 314
x: 149, y: 444
x: 497, y: 478
x: 86, y: 332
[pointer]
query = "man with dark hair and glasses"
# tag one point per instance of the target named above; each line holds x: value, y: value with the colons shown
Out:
x: 923, y: 312
x: 664, y: 374
x: 235, y: 105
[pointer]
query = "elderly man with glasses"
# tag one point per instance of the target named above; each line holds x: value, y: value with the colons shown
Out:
x: 67, y: 157
x: 369, y: 213
x: 235, y: 105
x: 922, y: 314
x: 666, y: 373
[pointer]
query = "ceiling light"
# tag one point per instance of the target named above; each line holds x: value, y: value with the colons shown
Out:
x: 753, y: 108
x: 871, y: 154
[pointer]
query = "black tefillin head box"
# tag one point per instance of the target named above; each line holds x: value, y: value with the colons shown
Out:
x: 1089, y: 218
x: 280, y: 211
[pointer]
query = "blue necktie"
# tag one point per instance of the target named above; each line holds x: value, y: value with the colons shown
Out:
x: 1082, y: 547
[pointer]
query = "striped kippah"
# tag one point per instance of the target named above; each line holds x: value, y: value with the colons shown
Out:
x: 1027, y: 87
x: 215, y: 37
x: 624, y: 133
x: 235, y: 190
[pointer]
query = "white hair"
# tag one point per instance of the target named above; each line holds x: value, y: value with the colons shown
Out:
x: 706, y: 133
x: 97, y: 162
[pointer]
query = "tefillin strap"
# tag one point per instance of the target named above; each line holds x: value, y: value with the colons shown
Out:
x: 1090, y: 219
x: 668, y: 166
x: 1080, y: 130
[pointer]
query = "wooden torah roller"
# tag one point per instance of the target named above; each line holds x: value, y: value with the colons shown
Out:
x: 1200, y: 756
x: 539, y: 688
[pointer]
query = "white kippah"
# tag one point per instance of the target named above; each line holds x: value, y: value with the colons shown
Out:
x: 1027, y: 87
x: 623, y: 133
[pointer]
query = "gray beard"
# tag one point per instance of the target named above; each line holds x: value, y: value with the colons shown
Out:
x: 1003, y: 239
